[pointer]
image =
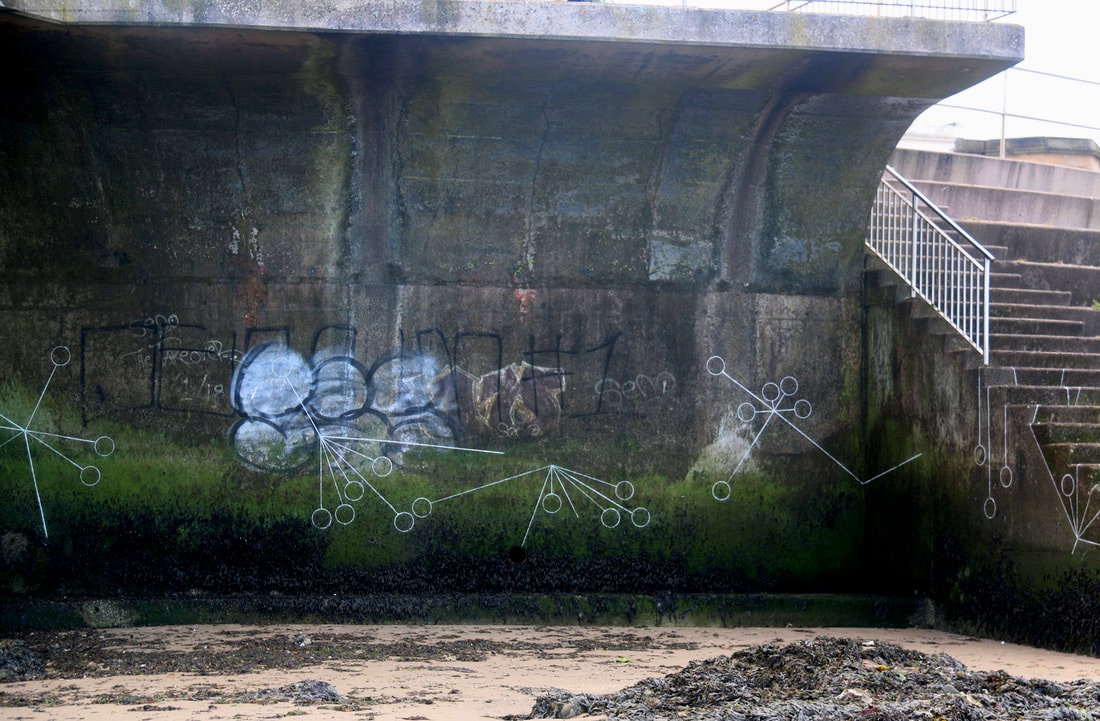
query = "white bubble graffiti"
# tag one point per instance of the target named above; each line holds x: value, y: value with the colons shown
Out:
x: 558, y: 485
x: 326, y: 411
x: 771, y: 403
x: 296, y: 410
x: 103, y: 445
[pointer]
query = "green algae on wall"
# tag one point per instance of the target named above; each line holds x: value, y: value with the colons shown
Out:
x: 175, y: 515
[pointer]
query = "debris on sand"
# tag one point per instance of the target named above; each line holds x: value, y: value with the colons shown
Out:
x: 302, y: 693
x: 829, y: 679
x: 17, y: 662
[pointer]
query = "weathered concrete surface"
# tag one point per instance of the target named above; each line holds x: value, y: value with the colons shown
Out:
x: 521, y: 227
x: 535, y: 19
x: 1005, y: 515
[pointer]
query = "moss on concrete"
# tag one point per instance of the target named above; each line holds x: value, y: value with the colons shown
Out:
x: 175, y: 514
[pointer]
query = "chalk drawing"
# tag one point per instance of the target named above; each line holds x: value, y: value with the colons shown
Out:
x: 103, y: 445
x: 1075, y: 495
x: 296, y: 410
x: 558, y: 488
x: 640, y: 389
x: 772, y: 404
x: 984, y: 450
x: 157, y: 361
x: 1078, y: 497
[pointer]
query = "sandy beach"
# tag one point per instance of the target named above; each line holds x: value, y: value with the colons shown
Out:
x: 411, y: 673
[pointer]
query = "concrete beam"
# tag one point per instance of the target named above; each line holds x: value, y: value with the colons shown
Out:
x: 561, y: 21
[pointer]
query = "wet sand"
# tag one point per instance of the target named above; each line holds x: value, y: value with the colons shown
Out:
x: 414, y: 673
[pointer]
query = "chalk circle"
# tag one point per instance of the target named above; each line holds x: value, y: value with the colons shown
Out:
x: 517, y: 554
x: 345, y: 514
x: 770, y: 392
x: 354, y: 490
x: 104, y: 445
x: 610, y: 517
x: 746, y: 412
x: 60, y: 355
x: 404, y: 521
x: 716, y: 365
x: 1006, y: 477
x: 990, y: 508
x: 422, y: 507
x: 381, y: 466
x: 271, y: 381
x: 284, y: 367
x: 802, y: 409
x: 789, y: 385
x: 624, y: 490
x: 551, y: 503
x: 89, y: 475
x: 321, y: 518
x: 979, y: 455
x: 721, y: 491
x: 1069, y: 485
x: 640, y: 517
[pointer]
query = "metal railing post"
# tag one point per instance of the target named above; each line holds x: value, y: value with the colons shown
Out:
x: 914, y: 248
x: 985, y: 313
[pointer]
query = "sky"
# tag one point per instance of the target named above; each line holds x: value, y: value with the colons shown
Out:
x: 1057, y: 82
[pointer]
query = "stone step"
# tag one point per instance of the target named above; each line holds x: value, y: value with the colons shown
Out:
x: 1036, y: 207
x: 1061, y: 455
x: 1081, y: 282
x: 995, y: 172
x: 1035, y: 326
x: 1090, y: 317
x: 1087, y: 474
x: 1004, y: 280
x: 1028, y: 296
x: 1038, y: 243
x: 1041, y: 343
x: 1088, y: 415
x: 1059, y: 432
x: 1046, y: 396
x: 1032, y: 376
x: 1043, y: 359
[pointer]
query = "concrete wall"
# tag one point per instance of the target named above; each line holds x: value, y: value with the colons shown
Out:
x: 611, y: 256
x: 978, y: 524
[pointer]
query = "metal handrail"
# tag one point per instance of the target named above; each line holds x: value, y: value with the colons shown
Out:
x: 942, y: 263
x: 982, y: 10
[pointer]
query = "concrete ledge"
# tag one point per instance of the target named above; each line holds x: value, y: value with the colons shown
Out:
x: 587, y: 21
x: 1010, y: 173
x: 1073, y: 152
x: 1040, y: 243
x: 972, y: 202
x: 554, y: 609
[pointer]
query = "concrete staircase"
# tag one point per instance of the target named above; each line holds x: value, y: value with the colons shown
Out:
x: 1042, y: 222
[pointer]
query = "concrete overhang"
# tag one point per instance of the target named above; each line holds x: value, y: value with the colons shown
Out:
x: 543, y: 20
x: 899, y: 57
x: 747, y: 141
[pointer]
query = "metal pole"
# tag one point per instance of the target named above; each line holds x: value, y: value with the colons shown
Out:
x: 915, y: 248
x: 985, y: 317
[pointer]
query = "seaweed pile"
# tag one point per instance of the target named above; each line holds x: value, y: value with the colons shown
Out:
x: 832, y: 678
